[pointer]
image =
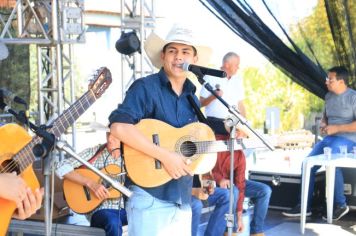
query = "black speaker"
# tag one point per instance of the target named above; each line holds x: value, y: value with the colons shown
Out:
x: 128, y: 43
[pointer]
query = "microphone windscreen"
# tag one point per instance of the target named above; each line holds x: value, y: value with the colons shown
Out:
x: 185, y: 66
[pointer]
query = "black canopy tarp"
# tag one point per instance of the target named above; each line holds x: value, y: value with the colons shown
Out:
x: 243, y: 20
x: 342, y: 20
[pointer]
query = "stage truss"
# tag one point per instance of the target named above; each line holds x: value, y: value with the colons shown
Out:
x: 54, y: 26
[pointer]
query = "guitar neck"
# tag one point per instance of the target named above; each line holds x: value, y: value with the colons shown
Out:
x: 72, y: 113
x: 25, y: 156
x: 217, y: 146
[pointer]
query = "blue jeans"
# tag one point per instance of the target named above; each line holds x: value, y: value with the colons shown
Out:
x: 111, y: 220
x: 217, y: 222
x: 334, y: 142
x: 150, y: 216
x: 260, y: 194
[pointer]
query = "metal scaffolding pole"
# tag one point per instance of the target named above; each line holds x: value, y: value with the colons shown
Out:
x: 142, y: 20
x: 51, y: 25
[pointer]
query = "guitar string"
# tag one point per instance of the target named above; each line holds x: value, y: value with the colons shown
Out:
x: 25, y: 153
x: 202, y: 146
x: 23, y: 161
x: 210, y: 145
x: 11, y: 166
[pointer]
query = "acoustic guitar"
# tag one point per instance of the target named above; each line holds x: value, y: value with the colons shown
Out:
x: 80, y: 198
x: 195, y: 142
x: 16, y: 144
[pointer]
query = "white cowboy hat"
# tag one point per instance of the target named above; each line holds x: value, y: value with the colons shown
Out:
x: 178, y: 34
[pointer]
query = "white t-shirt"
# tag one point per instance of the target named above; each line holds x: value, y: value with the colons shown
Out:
x: 233, y: 92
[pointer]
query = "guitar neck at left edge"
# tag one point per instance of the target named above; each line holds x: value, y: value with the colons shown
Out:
x: 21, y: 162
x: 25, y: 157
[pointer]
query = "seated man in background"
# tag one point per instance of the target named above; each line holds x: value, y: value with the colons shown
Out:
x: 108, y: 215
x: 231, y: 89
x: 217, y: 197
x: 339, y: 126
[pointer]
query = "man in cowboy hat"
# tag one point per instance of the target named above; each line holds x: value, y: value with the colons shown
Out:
x: 162, y: 210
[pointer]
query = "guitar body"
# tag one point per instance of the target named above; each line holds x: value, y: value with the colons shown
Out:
x: 13, y: 137
x: 142, y: 168
x: 81, y: 201
x: 16, y: 145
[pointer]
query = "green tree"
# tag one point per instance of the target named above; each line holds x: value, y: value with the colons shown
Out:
x: 315, y: 31
x: 269, y: 87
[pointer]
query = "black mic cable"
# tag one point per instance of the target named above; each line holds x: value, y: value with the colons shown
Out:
x: 12, y: 97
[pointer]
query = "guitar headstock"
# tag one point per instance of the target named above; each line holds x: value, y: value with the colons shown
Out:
x: 101, y: 81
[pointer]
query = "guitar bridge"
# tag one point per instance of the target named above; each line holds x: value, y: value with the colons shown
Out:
x: 87, y: 193
x: 155, y: 139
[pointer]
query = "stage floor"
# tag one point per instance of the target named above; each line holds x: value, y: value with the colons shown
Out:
x: 276, y: 225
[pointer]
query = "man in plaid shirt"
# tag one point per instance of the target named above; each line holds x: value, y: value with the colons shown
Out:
x: 108, y: 215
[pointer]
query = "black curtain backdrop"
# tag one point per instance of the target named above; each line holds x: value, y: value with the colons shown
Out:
x: 342, y: 20
x: 242, y: 20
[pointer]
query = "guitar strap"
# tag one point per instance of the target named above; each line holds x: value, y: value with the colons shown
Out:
x: 197, y: 110
x: 95, y: 156
x: 217, y: 125
x: 201, y: 118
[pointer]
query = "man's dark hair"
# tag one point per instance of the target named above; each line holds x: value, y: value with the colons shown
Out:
x: 341, y: 73
x: 165, y: 47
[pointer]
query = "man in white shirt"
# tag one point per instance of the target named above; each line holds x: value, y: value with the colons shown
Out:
x: 232, y: 91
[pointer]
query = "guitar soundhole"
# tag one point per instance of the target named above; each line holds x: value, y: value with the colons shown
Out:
x: 188, y: 149
x: 105, y: 183
x: 9, y: 166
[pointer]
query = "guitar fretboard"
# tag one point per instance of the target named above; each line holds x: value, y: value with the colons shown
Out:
x: 25, y: 156
x: 216, y: 146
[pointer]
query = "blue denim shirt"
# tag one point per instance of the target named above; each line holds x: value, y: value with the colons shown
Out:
x: 153, y: 97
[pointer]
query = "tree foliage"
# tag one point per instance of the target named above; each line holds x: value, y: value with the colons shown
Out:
x: 14, y: 72
x: 314, y: 31
x: 269, y: 87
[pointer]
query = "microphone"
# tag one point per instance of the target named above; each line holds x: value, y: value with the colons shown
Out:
x: 4, y: 93
x: 217, y: 87
x: 20, y: 116
x: 201, y: 71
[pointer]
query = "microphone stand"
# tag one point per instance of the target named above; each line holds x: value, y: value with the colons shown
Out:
x: 232, y: 123
x: 62, y: 146
x: 44, y: 149
x: 236, y: 116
